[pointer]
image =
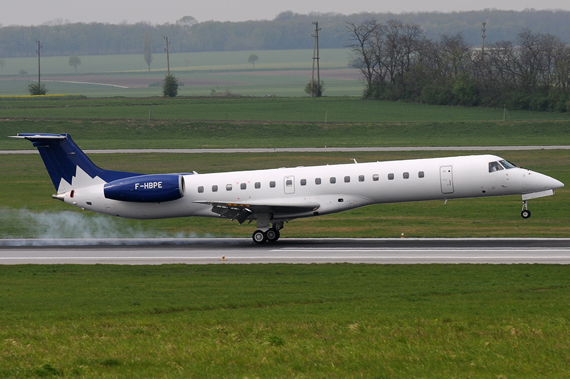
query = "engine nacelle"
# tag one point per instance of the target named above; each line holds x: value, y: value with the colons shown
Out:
x: 146, y: 188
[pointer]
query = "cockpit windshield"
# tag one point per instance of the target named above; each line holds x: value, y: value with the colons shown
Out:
x: 506, y: 164
x: 501, y: 165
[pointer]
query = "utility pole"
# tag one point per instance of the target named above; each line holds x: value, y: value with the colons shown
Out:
x: 39, y: 71
x: 167, y: 56
x: 316, y: 50
x: 483, y: 45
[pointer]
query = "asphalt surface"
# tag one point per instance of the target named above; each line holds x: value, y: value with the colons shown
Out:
x: 287, y: 250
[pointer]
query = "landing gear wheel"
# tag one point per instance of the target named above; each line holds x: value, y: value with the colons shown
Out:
x: 259, y: 237
x: 272, y: 235
x: 525, y: 213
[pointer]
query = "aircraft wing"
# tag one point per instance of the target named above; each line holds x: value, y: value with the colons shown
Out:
x: 241, y: 211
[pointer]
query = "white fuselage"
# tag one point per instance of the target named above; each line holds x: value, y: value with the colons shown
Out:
x: 342, y: 187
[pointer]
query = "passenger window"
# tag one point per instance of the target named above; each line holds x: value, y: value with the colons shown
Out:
x: 375, y: 177
x: 257, y: 185
x: 420, y: 174
x: 406, y: 175
x: 289, y: 183
x: 390, y: 176
x: 272, y: 184
x: 200, y: 189
x: 333, y: 180
x: 243, y: 186
x: 303, y: 182
x: 361, y: 178
x: 494, y: 166
x: 347, y: 179
x: 228, y: 187
x: 214, y: 188
x: 317, y: 181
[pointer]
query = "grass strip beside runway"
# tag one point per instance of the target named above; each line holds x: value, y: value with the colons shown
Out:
x: 318, y: 321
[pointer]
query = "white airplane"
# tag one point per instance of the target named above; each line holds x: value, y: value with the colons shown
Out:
x: 275, y: 196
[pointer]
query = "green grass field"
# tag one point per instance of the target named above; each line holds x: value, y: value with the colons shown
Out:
x: 279, y: 122
x: 278, y: 73
x: 303, y: 321
x: 322, y: 110
x: 179, y: 62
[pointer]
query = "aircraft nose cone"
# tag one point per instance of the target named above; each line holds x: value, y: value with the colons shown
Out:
x: 548, y: 182
x: 541, y: 182
x: 556, y: 184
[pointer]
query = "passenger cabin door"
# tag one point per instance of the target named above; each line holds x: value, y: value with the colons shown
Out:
x: 446, y: 176
x: 289, y: 184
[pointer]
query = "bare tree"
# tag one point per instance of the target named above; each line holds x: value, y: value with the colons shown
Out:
x: 363, y: 46
x: 456, y: 54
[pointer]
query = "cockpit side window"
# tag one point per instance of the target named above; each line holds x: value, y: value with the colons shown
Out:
x: 494, y: 166
x: 506, y: 164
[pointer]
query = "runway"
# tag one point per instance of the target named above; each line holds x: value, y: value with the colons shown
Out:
x: 287, y: 250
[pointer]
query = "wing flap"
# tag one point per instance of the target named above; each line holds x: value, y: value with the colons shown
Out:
x: 241, y: 211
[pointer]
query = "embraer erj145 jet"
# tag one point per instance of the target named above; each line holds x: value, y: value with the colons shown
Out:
x: 276, y: 196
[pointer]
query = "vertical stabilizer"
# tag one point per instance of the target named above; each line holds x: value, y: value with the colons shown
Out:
x: 67, y: 164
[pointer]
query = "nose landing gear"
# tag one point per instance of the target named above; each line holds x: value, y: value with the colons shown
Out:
x: 525, y: 212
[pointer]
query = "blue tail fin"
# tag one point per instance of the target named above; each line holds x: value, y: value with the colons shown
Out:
x: 64, y: 160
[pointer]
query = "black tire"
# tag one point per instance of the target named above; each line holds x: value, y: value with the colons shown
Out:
x: 525, y: 213
x: 272, y: 235
x: 259, y: 237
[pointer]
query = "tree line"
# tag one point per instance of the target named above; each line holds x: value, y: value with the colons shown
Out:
x: 287, y: 31
x: 399, y: 62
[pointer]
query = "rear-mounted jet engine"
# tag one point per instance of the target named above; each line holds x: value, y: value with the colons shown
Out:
x: 146, y: 188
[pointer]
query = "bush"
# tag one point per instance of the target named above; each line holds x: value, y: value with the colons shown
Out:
x: 465, y: 91
x: 170, y: 86
x: 437, y: 95
x: 318, y: 89
x: 36, y: 89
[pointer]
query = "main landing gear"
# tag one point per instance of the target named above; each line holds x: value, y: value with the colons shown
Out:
x: 264, y: 233
x: 525, y: 212
x: 270, y: 235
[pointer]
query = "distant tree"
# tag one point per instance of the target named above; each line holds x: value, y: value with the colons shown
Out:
x: 252, y: 59
x: 147, y: 48
x: 318, y: 89
x: 170, y: 86
x: 2, y: 63
x: 187, y: 21
x: 74, y: 61
x: 36, y: 89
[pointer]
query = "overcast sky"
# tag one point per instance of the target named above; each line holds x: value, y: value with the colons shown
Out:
x: 36, y: 12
